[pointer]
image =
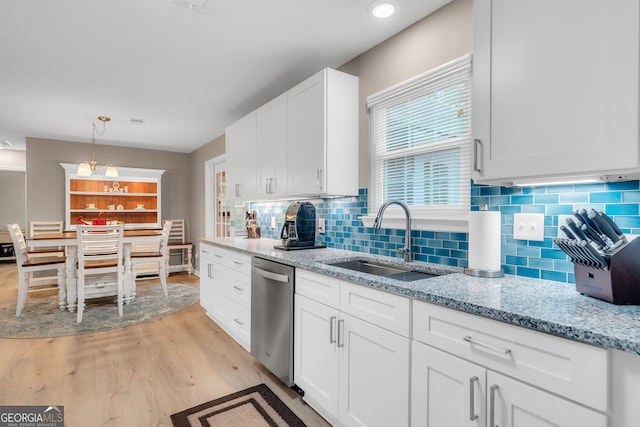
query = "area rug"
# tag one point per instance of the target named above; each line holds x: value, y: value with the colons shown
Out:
x: 42, y: 318
x: 254, y: 407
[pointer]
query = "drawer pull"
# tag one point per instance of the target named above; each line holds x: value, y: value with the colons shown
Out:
x: 332, y: 328
x: 238, y: 263
x: 472, y: 398
x: 238, y: 322
x: 487, y: 346
x: 238, y: 288
x: 218, y: 256
x: 341, y: 335
x: 492, y: 406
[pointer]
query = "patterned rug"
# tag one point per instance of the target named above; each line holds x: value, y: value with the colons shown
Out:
x: 42, y: 318
x: 253, y: 407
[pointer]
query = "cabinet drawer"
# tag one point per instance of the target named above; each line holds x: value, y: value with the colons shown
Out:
x: 240, y: 289
x: 238, y: 324
x: 575, y: 370
x: 231, y: 259
x: 389, y: 311
x: 317, y: 287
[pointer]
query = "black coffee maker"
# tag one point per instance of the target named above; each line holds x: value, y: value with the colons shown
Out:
x: 299, y: 229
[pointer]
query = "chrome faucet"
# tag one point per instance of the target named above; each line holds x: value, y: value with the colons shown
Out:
x: 408, y: 254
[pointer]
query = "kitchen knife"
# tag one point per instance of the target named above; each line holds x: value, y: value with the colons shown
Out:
x: 596, y: 240
x: 584, y: 217
x: 613, y: 225
x: 576, y: 230
x: 567, y: 233
x: 600, y: 260
x: 564, y: 247
x: 603, y: 225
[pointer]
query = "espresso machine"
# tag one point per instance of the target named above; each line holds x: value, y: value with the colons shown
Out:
x: 299, y: 229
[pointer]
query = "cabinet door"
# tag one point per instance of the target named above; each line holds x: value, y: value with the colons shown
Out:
x: 272, y: 148
x: 555, y: 88
x: 445, y: 390
x: 306, y: 136
x: 515, y: 404
x: 316, y: 363
x: 219, y: 290
x: 206, y: 283
x: 374, y: 375
x: 240, y: 146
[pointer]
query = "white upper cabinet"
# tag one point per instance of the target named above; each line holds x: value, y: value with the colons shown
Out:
x: 323, y: 135
x: 272, y: 148
x: 555, y: 89
x: 240, y: 148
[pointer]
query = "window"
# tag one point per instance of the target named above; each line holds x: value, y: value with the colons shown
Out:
x: 421, y: 142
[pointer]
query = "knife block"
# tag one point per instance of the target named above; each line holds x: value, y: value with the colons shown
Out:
x: 620, y: 284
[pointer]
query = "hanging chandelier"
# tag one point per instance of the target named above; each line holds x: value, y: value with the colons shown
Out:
x: 88, y: 168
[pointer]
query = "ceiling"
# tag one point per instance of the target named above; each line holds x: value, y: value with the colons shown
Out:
x: 184, y: 72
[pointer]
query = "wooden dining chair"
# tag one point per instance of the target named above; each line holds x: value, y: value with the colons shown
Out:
x: 26, y: 267
x: 44, y: 227
x: 159, y: 257
x: 100, y: 264
x: 179, y: 245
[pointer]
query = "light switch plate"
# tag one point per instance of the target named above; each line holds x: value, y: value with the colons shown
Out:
x: 528, y: 227
x: 320, y: 227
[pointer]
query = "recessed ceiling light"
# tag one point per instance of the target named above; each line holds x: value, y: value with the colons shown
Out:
x: 382, y: 9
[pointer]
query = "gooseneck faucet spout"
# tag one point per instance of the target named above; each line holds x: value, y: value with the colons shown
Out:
x: 408, y: 254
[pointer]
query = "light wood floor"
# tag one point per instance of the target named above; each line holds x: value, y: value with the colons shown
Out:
x: 136, y: 376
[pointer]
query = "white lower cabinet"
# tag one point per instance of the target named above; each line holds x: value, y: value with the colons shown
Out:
x: 225, y: 290
x: 472, y: 371
x: 353, y: 371
x: 449, y: 391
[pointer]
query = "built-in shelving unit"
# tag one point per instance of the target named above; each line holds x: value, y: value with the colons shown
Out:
x: 134, y: 197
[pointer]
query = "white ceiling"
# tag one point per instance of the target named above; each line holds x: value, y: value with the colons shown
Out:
x: 186, y: 72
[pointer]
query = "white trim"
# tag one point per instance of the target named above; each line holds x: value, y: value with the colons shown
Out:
x: 451, y: 223
x: 13, y: 168
x: 209, y: 194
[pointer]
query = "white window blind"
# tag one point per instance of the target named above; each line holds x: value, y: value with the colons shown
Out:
x: 421, y: 142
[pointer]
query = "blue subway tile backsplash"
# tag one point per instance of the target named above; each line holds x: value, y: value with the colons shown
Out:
x: 345, y: 230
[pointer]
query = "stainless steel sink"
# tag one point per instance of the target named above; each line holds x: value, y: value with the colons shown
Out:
x: 384, y: 270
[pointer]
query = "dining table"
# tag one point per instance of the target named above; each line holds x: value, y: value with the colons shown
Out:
x: 69, y: 240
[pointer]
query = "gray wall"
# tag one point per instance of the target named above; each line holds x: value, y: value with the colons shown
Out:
x: 435, y: 40
x: 45, y: 176
x: 12, y: 194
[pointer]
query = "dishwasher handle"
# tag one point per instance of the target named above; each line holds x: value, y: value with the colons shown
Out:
x: 271, y: 276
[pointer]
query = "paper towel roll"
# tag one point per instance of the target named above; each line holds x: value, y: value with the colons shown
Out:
x: 484, y: 244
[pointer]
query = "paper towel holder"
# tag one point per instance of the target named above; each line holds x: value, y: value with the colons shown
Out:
x: 476, y: 272
x: 483, y: 273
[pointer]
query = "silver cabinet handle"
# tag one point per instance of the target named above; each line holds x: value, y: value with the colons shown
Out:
x: 218, y: 256
x: 319, y: 173
x: 238, y: 322
x: 204, y: 251
x: 237, y: 190
x: 471, y: 341
x: 477, y: 149
x: 209, y: 271
x: 472, y: 398
x: 492, y: 406
x: 341, y: 333
x: 332, y: 327
x: 238, y: 263
x: 238, y: 288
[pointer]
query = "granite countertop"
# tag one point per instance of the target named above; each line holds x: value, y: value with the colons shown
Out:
x: 547, y: 306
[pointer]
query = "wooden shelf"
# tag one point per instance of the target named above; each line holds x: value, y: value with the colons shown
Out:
x: 142, y: 185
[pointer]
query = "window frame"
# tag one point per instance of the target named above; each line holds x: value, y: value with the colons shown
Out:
x: 433, y: 217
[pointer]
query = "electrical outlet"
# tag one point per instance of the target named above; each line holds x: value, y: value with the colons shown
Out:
x: 562, y: 220
x: 528, y: 227
x: 320, y: 226
x: 273, y: 222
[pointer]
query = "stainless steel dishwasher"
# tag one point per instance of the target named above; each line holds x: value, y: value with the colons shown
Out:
x: 272, y: 316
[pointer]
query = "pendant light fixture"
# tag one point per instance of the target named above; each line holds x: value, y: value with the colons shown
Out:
x: 88, y: 168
